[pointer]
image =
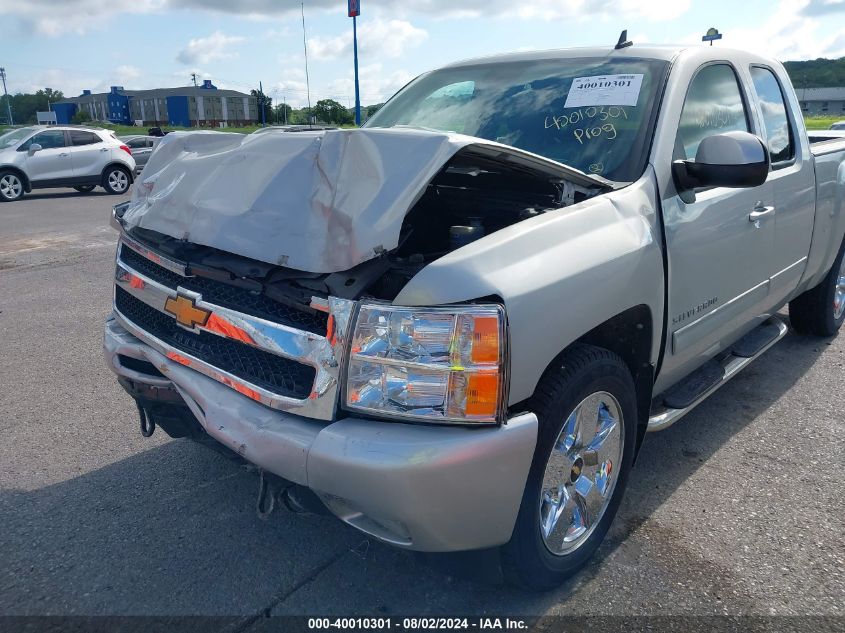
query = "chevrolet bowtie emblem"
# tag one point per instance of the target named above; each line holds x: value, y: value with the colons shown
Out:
x: 186, y: 311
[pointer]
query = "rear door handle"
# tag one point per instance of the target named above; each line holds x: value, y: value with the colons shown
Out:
x: 759, y: 213
x: 63, y: 154
x: 104, y: 149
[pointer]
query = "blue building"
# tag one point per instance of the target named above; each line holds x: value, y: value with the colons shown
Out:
x: 190, y: 106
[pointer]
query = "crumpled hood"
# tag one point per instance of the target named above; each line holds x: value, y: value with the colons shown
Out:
x: 313, y: 201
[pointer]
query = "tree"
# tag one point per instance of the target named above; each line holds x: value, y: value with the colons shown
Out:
x: 372, y: 109
x: 817, y: 73
x: 262, y: 100
x: 80, y: 116
x: 24, y: 106
x: 283, y: 113
x: 330, y: 111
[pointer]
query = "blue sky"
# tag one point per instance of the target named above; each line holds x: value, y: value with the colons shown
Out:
x: 74, y: 44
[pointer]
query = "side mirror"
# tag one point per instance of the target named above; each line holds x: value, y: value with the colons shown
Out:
x: 732, y: 159
x: 35, y: 147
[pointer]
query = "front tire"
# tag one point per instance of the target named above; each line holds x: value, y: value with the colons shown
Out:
x: 11, y: 186
x: 85, y: 188
x: 587, y: 409
x: 116, y: 180
x: 821, y: 310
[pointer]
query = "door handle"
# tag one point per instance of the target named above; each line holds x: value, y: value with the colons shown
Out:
x: 63, y: 154
x: 104, y: 149
x: 759, y: 213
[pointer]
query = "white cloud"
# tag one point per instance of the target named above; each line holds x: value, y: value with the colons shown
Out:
x: 48, y: 17
x: 52, y: 17
x: 376, y: 38
x: 376, y: 85
x: 786, y: 34
x: 203, y: 50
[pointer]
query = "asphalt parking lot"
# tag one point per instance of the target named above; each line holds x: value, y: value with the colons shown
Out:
x: 736, y: 510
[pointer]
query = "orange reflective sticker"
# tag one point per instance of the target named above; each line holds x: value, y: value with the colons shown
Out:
x: 176, y: 358
x: 222, y: 326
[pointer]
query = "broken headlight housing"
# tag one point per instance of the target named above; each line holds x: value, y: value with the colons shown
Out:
x: 440, y: 365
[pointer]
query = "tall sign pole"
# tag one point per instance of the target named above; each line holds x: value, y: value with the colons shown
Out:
x: 9, y: 102
x: 354, y: 12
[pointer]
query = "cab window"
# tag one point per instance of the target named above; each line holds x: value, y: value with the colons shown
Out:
x: 49, y: 139
x: 775, y: 120
x: 79, y: 137
x: 713, y: 105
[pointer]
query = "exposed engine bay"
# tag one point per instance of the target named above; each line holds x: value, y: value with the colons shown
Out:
x: 475, y: 194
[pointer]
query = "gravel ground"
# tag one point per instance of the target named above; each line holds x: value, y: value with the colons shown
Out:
x: 735, y: 510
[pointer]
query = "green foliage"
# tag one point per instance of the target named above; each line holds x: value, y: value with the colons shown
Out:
x: 81, y: 116
x: 283, y: 113
x: 24, y: 106
x: 372, y: 109
x: 265, y: 102
x: 330, y: 111
x: 817, y: 73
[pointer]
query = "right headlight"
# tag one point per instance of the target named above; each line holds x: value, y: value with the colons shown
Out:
x: 441, y: 364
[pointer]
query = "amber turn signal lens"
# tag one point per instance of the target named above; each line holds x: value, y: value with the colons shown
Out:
x: 485, y: 339
x: 482, y: 394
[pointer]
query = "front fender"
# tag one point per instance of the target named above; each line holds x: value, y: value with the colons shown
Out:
x: 560, y: 275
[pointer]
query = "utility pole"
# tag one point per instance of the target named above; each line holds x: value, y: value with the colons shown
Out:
x: 194, y: 77
x: 261, y: 103
x: 354, y: 11
x: 6, y: 94
x: 305, y: 49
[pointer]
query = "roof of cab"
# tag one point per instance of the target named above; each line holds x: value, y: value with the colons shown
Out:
x: 664, y: 53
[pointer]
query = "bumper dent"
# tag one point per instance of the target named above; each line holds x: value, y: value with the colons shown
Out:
x: 425, y: 488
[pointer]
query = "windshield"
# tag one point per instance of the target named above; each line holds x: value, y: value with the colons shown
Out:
x: 591, y: 114
x: 13, y: 137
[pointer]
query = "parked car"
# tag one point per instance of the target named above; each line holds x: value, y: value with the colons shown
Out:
x: 39, y: 157
x: 839, y: 125
x: 141, y: 147
x: 459, y: 341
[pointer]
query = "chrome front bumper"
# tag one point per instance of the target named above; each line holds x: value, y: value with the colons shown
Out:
x: 425, y: 488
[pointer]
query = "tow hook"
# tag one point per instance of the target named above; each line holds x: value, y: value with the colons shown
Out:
x: 148, y: 426
x: 266, y: 501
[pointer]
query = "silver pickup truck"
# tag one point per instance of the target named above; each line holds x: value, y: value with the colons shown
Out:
x: 453, y: 327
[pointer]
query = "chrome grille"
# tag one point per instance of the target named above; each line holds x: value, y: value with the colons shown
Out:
x: 265, y: 350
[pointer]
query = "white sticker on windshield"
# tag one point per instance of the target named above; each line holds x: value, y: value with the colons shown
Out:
x: 618, y: 90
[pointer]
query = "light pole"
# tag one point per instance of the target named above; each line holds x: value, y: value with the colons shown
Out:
x: 6, y: 94
x: 354, y: 12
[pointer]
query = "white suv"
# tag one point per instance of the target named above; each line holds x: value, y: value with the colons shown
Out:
x: 38, y: 156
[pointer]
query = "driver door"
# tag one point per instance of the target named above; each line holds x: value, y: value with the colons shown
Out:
x: 52, y: 161
x: 718, y: 257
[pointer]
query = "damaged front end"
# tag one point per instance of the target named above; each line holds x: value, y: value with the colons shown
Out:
x: 197, y: 280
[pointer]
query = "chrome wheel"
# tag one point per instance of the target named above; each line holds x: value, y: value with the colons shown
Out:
x: 11, y: 186
x: 581, y: 473
x: 118, y: 181
x: 839, y: 293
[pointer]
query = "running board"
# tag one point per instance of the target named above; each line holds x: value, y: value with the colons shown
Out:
x: 716, y: 373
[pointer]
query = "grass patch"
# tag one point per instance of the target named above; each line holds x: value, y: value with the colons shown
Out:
x: 822, y: 122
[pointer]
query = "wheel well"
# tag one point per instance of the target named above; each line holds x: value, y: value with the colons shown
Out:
x: 116, y: 164
x: 630, y: 335
x: 27, y: 186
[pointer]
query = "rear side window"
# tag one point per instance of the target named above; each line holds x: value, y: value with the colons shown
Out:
x: 78, y: 137
x: 137, y: 143
x: 49, y: 139
x: 713, y: 106
x: 778, y: 133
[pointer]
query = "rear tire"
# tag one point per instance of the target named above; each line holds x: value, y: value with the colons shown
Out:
x: 587, y: 409
x: 821, y: 310
x: 85, y: 188
x: 116, y: 180
x: 11, y: 186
